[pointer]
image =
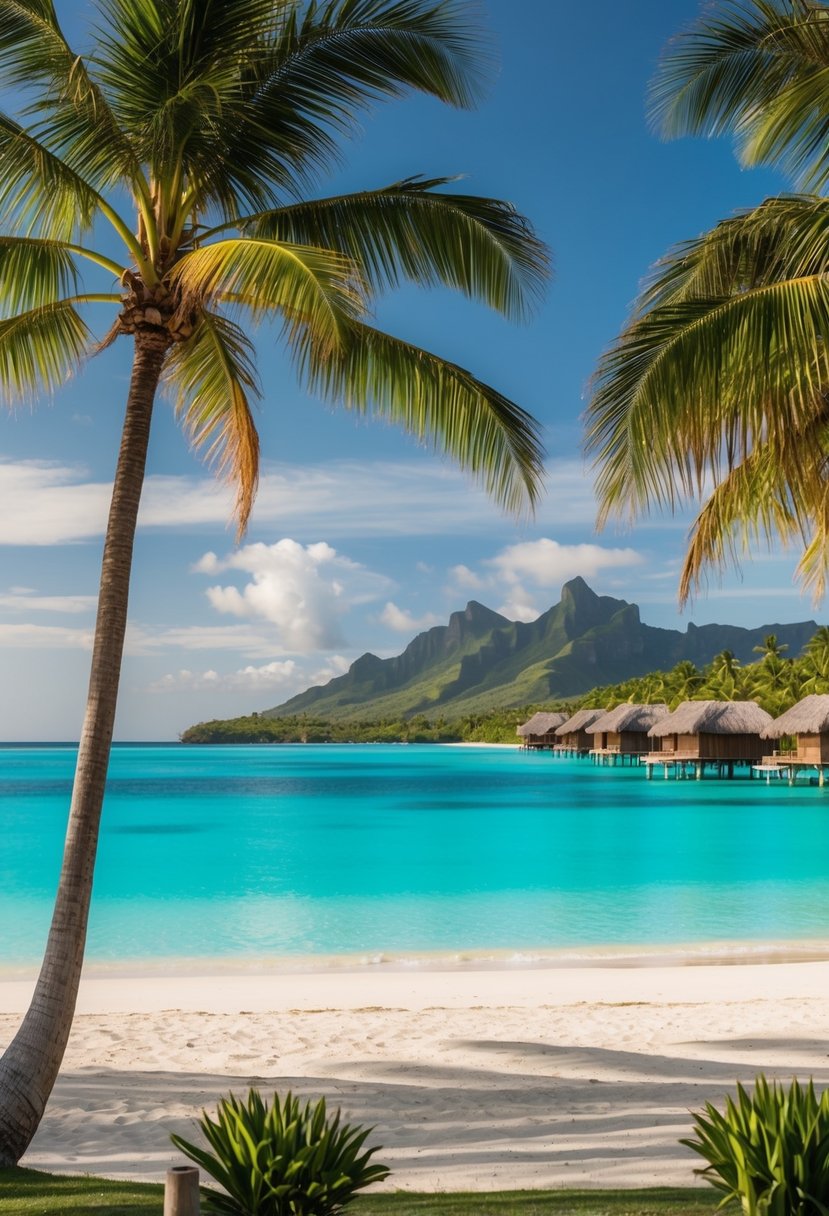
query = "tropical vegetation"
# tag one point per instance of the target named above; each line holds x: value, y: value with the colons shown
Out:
x: 715, y: 393
x: 775, y: 681
x: 281, y: 1158
x: 175, y: 164
x: 769, y: 1149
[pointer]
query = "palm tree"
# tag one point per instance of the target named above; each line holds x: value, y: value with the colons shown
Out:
x: 682, y: 683
x: 724, y: 674
x: 174, y: 162
x: 816, y: 656
x: 722, y: 371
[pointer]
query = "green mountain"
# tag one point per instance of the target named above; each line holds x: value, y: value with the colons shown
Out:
x: 482, y: 661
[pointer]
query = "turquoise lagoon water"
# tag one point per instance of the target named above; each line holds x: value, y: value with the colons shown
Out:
x: 376, y: 851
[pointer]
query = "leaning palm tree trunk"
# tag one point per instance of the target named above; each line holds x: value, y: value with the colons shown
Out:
x: 30, y: 1065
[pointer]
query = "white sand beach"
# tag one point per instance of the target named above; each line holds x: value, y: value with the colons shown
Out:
x: 476, y: 1079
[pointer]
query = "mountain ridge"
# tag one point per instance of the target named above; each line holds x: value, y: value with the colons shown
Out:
x: 481, y: 660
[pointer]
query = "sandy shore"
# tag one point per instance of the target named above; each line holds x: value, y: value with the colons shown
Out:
x: 474, y: 1079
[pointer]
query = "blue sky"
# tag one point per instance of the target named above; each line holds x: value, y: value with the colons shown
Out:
x: 359, y: 539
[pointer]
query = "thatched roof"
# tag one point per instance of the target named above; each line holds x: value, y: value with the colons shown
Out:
x: 809, y: 717
x: 713, y: 718
x: 628, y: 717
x: 541, y: 724
x: 579, y: 721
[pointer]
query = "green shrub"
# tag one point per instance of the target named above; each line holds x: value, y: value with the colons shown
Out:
x: 770, y: 1150
x: 282, y: 1159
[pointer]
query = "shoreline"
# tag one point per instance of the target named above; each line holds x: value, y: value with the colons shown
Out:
x: 474, y: 1079
x: 715, y: 952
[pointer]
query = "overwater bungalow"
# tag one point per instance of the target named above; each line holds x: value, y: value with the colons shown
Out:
x: 808, y: 724
x: 572, y: 736
x: 620, y: 736
x: 708, y: 734
x: 539, y: 731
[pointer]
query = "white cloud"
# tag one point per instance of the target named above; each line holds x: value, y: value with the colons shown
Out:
x: 287, y: 676
x: 271, y: 675
x: 466, y: 579
x: 44, y: 637
x: 143, y: 640
x: 24, y: 599
x: 303, y: 590
x: 547, y: 563
x: 45, y: 503
x: 403, y: 622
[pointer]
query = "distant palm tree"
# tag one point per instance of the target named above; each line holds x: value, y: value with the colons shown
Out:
x: 816, y: 654
x: 725, y: 674
x: 174, y: 160
x: 682, y: 683
x: 722, y: 372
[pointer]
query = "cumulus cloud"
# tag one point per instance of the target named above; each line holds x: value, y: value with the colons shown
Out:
x: 522, y: 575
x: 403, y: 622
x: 466, y: 579
x: 547, y: 563
x: 303, y: 590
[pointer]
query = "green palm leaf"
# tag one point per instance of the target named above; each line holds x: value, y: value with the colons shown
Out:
x: 34, y: 272
x: 760, y: 69
x: 437, y: 402
x: 305, y: 84
x: 80, y: 123
x: 38, y: 191
x: 697, y: 381
x: 314, y: 287
x: 214, y: 377
x: 480, y: 246
x: 40, y: 349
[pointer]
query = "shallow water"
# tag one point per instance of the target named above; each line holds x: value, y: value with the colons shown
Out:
x: 244, y: 852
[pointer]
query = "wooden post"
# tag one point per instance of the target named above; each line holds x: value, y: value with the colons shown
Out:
x: 181, y: 1191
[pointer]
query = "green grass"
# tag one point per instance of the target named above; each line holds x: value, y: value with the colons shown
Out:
x: 32, y: 1193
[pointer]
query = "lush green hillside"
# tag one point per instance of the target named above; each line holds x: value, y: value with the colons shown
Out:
x: 481, y: 661
x: 775, y: 680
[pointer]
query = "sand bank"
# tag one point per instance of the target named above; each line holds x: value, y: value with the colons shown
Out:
x: 509, y: 1077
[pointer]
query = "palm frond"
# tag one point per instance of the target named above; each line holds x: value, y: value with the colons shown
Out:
x: 787, y: 236
x: 317, y: 287
x: 759, y: 69
x: 321, y: 67
x: 33, y: 273
x: 213, y: 377
x: 780, y: 492
x: 180, y: 77
x: 80, y: 127
x: 695, y: 382
x: 435, y: 401
x: 479, y: 246
x: 40, y: 193
x: 39, y: 350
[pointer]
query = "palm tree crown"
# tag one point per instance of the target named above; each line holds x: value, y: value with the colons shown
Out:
x: 174, y: 161
x: 721, y: 374
x: 209, y: 119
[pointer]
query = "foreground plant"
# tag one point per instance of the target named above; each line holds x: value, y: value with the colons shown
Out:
x: 769, y: 1150
x: 172, y: 161
x: 283, y: 1159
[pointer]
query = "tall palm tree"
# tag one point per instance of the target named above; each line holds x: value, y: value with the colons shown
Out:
x: 722, y: 373
x: 174, y: 162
